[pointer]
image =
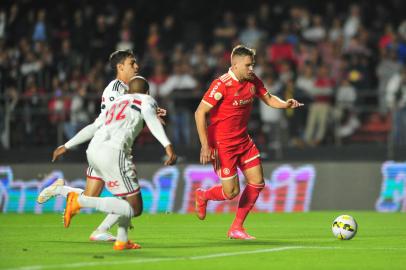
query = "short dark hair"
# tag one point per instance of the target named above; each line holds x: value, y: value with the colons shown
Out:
x: 241, y: 50
x: 138, y: 84
x: 118, y: 57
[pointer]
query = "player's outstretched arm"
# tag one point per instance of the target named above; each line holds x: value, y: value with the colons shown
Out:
x: 201, y: 124
x: 276, y: 102
x: 84, y: 135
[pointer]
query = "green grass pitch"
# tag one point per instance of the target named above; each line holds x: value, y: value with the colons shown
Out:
x: 174, y: 241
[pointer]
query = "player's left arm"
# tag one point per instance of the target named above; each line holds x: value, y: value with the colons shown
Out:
x: 272, y: 100
x: 275, y: 102
x: 149, y: 113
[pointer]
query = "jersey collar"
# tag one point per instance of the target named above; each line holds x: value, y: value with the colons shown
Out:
x: 232, y: 75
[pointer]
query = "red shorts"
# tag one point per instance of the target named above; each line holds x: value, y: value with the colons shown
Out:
x: 227, y: 158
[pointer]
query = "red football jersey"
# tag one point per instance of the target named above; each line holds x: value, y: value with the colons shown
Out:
x: 232, y: 104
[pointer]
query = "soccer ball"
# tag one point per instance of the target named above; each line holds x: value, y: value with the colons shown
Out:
x: 344, y: 227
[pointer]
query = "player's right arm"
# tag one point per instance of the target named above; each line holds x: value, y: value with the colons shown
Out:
x: 87, y: 133
x: 210, y: 99
x: 84, y: 135
x: 201, y: 125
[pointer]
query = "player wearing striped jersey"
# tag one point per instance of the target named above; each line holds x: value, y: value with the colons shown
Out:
x: 109, y: 154
x: 225, y: 141
x: 126, y: 67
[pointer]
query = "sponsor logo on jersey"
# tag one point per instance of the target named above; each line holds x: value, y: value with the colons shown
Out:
x: 113, y: 184
x: 242, y: 102
x: 218, y: 96
x: 226, y: 171
x: 213, y: 91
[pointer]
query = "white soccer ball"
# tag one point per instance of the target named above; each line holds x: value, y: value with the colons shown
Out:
x: 344, y: 227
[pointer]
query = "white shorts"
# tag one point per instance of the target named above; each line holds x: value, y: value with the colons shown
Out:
x: 115, y: 167
x: 91, y: 173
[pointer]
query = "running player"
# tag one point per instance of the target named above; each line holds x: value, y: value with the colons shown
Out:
x: 125, y: 65
x: 225, y: 140
x: 109, y: 154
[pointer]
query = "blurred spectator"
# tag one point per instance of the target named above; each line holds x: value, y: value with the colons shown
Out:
x: 158, y: 77
x: 180, y: 87
x: 225, y: 32
x: 335, y: 33
x: 59, y: 105
x: 125, y: 42
x: 320, y: 108
x: 345, y: 116
x: 7, y: 108
x: 251, y: 36
x: 33, y: 119
x: 78, y: 113
x: 387, y: 66
x: 316, y: 32
x: 2, y: 24
x: 387, y: 37
x: 40, y: 28
x: 169, y: 34
x: 272, y: 119
x: 280, y: 51
x: 396, y: 99
x: 352, y: 23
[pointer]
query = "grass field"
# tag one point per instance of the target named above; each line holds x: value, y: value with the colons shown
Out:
x: 172, y: 241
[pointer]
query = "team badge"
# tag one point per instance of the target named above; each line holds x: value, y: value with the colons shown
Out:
x: 218, y: 96
x: 252, y: 90
x: 226, y: 171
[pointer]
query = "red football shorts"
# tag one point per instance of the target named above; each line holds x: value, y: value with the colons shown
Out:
x: 226, y: 158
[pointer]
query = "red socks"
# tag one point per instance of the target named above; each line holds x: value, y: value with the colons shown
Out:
x: 247, y: 200
x: 215, y: 194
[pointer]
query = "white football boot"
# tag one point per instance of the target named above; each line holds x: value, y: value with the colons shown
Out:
x: 100, y: 236
x: 50, y: 191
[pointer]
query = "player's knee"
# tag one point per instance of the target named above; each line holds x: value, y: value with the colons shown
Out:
x: 137, y: 212
x: 231, y: 194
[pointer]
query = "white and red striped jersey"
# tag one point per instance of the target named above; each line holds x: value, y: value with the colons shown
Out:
x: 113, y: 90
x: 123, y: 121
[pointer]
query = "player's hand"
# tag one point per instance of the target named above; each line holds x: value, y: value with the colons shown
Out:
x: 205, y: 154
x: 59, y: 152
x: 160, y: 112
x: 171, y: 156
x: 293, y: 103
x: 161, y: 120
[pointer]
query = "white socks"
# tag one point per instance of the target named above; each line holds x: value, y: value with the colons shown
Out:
x: 108, y: 205
x: 122, y: 230
x: 64, y: 190
x: 108, y: 222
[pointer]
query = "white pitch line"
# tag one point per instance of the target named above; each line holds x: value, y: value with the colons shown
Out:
x: 201, y: 257
x: 218, y: 255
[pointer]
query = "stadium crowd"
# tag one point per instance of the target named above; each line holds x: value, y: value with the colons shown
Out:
x: 345, y: 62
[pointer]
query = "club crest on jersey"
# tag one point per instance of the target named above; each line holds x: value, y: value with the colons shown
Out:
x: 252, y: 89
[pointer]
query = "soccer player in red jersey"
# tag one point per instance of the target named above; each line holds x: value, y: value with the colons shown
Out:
x: 225, y: 141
